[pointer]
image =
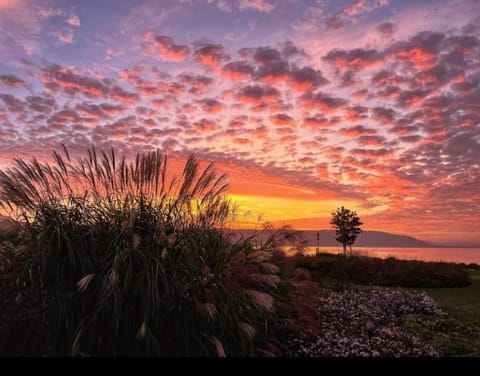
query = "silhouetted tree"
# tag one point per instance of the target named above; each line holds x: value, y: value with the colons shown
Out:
x: 347, y: 227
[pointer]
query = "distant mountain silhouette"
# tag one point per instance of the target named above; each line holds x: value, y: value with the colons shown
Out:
x: 366, y: 239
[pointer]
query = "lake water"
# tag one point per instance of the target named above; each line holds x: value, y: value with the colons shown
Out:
x: 466, y: 255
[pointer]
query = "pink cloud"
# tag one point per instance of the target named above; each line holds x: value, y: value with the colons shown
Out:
x: 90, y: 110
x: 281, y: 119
x: 211, y: 55
x: 64, y: 36
x: 306, y: 79
x: 229, y: 6
x: 284, y: 130
x: 321, y: 101
x: 289, y: 139
x: 43, y: 104
x: 237, y: 70
x: 419, y: 52
x: 164, y: 47
x: 387, y: 78
x: 417, y: 57
x: 355, y: 8
x: 73, y: 20
x: 211, y: 106
x: 411, y: 98
x: 356, y: 113
x: 113, y: 52
x: 12, y: 81
x: 60, y: 118
x: 371, y: 140
x: 13, y: 104
x: 364, y: 6
x: 149, y: 89
x: 164, y: 102
x: 111, y: 109
x: 357, y: 130
x: 334, y: 22
x: 372, y: 153
x: 256, y: 94
x: 309, y: 144
x: 120, y: 128
x: 264, y: 56
x: 205, y: 125
x: 119, y: 94
x: 132, y: 75
x: 170, y: 51
x: 223, y: 5
x: 387, y: 30
x: 412, y: 139
x: 273, y: 74
x: 242, y: 141
x: 197, y: 84
x: 384, y: 115
x: 256, y: 5
x: 390, y: 92
x: 57, y: 78
x: 356, y: 59
x: 317, y: 121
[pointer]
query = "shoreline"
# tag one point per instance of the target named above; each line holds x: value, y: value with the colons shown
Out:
x: 433, y: 254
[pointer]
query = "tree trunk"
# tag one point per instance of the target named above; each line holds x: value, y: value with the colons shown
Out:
x: 344, y: 249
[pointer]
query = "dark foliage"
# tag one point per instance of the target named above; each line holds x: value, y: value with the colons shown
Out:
x: 347, y: 227
x: 388, y: 272
x: 115, y: 258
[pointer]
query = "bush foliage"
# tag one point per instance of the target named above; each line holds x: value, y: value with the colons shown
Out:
x: 118, y: 258
x: 388, y: 272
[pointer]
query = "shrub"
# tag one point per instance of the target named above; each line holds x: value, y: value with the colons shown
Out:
x: 388, y: 272
x: 122, y: 260
x: 20, y: 318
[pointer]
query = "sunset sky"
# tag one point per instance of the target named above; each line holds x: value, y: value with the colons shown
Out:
x: 307, y: 105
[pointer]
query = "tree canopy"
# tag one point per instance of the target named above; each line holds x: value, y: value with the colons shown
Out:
x: 347, y: 227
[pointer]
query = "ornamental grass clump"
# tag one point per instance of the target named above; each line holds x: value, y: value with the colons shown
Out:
x: 123, y: 259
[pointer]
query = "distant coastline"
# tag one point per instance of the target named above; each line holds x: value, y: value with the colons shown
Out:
x: 327, y: 238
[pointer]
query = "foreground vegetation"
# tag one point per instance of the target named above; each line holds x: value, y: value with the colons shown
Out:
x: 117, y: 259
x: 456, y: 333
x: 415, y: 323
x: 383, y: 272
x: 461, y: 303
x: 362, y: 322
x: 101, y: 256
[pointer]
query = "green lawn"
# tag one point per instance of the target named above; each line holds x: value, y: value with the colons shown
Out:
x: 461, y: 303
x: 459, y: 333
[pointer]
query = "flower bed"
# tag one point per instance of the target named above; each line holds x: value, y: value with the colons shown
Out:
x: 359, y: 323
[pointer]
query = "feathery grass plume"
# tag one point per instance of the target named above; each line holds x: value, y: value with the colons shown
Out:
x: 208, y: 311
x: 112, y: 243
x: 247, y: 330
x: 219, y: 347
x: 269, y: 279
x: 84, y: 282
x: 142, y: 331
x: 261, y: 300
x: 270, y: 268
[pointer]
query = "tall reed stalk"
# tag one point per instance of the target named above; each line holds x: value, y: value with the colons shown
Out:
x: 121, y: 259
